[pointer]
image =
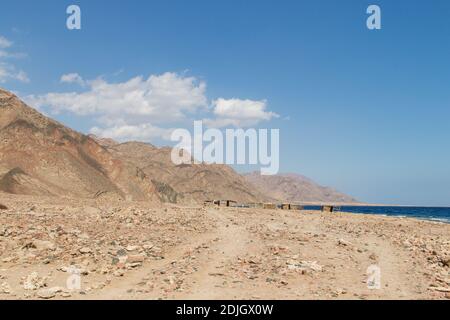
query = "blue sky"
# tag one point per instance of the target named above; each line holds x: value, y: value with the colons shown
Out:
x: 363, y: 111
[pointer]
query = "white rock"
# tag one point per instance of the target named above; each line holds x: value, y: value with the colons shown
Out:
x: 49, y: 293
x: 85, y: 250
x: 344, y: 243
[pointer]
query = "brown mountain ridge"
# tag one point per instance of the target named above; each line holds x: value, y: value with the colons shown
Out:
x: 186, y: 183
x: 40, y: 156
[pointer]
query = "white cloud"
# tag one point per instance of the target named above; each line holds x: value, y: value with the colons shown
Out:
x: 4, y: 54
x: 144, y: 108
x: 239, y: 113
x: 142, y: 132
x: 160, y: 98
x: 136, y: 109
x: 5, y: 43
x: 72, y: 78
x: 7, y: 70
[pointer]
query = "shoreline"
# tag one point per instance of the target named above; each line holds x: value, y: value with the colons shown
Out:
x: 416, y: 218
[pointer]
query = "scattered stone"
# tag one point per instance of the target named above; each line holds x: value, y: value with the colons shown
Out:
x: 440, y: 289
x: 8, y: 259
x: 48, y: 293
x: 446, y: 261
x: 344, y: 243
x: 85, y: 250
x: 133, y: 265
x: 136, y: 258
x: 304, y: 265
x: 336, y: 293
x: 373, y: 257
x: 148, y: 246
x: 121, y: 252
x: 118, y: 273
x: 3, y: 207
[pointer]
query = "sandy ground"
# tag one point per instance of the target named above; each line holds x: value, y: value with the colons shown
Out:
x: 129, y: 250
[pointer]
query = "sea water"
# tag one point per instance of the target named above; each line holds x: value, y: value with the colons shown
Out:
x: 425, y: 213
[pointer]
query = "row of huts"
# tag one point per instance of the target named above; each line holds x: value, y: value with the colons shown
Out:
x: 259, y: 205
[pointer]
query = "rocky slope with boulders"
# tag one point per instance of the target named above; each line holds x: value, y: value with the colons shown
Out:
x: 39, y: 156
x: 185, y: 183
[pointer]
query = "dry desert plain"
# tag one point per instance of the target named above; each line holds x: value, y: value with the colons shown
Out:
x: 136, y: 250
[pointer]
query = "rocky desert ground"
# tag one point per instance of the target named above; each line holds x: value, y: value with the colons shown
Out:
x: 56, y: 248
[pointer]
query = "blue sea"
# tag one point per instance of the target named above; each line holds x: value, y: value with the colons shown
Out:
x: 441, y: 214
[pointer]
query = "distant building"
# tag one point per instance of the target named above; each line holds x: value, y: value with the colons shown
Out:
x: 220, y: 203
x: 269, y: 206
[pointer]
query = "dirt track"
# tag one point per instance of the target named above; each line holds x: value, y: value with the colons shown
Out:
x: 131, y: 251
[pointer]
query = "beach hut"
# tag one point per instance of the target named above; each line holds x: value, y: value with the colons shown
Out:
x: 231, y: 203
x: 224, y: 203
x: 208, y: 203
x: 296, y: 207
x: 270, y: 206
x: 327, y: 208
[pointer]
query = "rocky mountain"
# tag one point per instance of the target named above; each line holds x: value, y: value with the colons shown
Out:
x: 295, y: 188
x: 184, y: 183
x: 39, y: 156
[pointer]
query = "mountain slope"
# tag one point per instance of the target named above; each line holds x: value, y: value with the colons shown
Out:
x: 185, y: 183
x: 40, y: 156
x: 295, y: 188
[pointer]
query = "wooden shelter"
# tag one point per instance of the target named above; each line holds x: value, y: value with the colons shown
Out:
x: 269, y: 206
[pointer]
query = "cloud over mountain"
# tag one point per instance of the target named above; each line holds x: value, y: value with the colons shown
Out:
x: 146, y: 108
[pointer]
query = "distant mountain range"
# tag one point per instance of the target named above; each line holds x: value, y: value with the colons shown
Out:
x: 39, y: 156
x: 296, y: 188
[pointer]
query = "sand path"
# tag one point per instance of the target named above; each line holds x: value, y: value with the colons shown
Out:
x: 202, y: 268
